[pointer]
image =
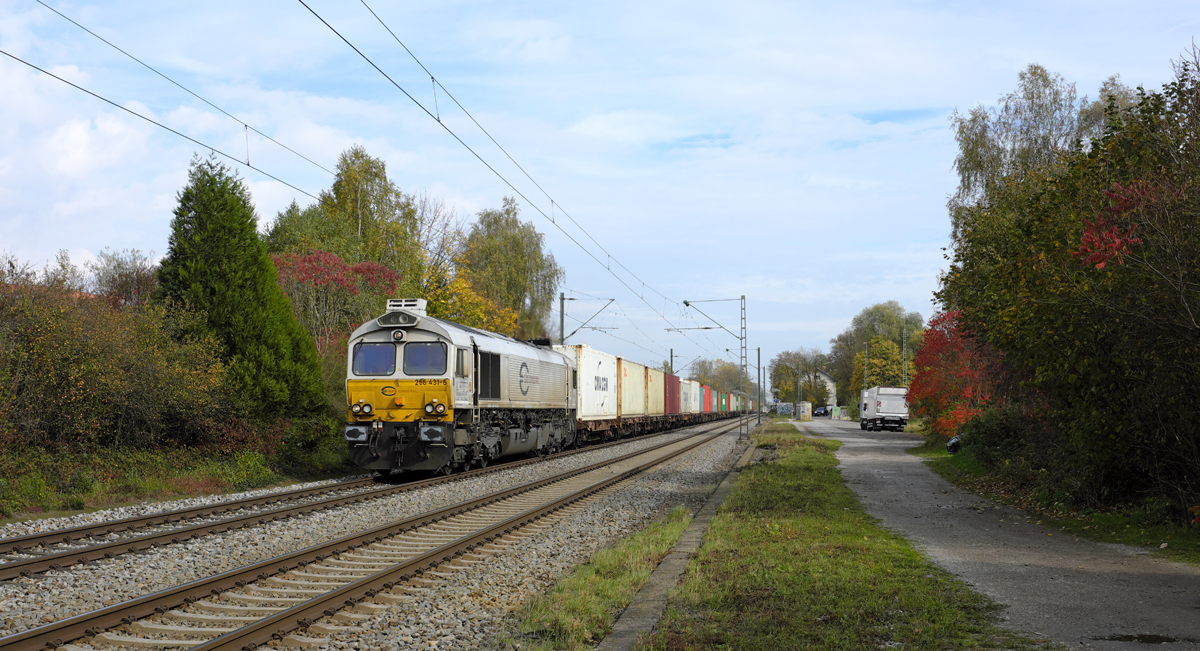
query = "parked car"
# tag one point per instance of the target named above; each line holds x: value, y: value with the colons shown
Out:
x: 819, y: 412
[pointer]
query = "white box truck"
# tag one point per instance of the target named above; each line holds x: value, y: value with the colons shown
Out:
x: 884, y: 408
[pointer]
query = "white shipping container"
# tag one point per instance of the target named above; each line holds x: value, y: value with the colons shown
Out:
x: 631, y: 389
x: 656, y: 392
x: 685, y: 396
x: 697, y: 396
x: 597, y: 382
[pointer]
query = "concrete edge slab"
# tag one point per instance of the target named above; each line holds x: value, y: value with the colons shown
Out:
x: 647, y: 607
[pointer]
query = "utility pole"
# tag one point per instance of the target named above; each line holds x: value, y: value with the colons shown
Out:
x: 759, y: 396
x: 796, y: 399
x: 866, y: 365
x: 904, y: 353
x: 744, y: 431
x: 562, y: 318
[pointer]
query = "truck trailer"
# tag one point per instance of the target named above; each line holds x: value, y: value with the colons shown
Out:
x: 884, y: 408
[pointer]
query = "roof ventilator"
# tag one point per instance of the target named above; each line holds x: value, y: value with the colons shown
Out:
x: 413, y: 305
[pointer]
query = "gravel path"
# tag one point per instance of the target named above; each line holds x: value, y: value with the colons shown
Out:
x: 25, y: 603
x: 1085, y: 594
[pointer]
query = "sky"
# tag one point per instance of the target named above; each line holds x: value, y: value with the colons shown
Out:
x: 795, y: 153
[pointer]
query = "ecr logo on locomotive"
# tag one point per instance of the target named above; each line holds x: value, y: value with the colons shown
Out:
x: 527, y: 379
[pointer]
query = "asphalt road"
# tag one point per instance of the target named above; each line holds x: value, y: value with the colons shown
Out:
x: 1083, y: 594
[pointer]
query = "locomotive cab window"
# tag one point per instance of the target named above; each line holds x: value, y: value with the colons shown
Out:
x: 460, y: 362
x: 425, y: 358
x: 374, y: 359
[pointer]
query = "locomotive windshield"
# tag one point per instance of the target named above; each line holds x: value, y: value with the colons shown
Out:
x: 425, y: 358
x: 374, y: 359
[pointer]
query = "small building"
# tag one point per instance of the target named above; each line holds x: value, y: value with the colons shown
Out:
x: 829, y: 384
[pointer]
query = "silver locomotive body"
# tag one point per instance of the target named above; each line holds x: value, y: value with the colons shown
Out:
x: 428, y: 394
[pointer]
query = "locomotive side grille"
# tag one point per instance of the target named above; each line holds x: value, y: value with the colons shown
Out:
x: 489, y: 376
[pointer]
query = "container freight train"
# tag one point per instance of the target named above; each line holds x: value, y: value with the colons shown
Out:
x: 429, y: 394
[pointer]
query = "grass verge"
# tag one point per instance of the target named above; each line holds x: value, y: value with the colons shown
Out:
x: 1132, y: 524
x: 792, y: 562
x: 583, y: 605
x: 40, y: 483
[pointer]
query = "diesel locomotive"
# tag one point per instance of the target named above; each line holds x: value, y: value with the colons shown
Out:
x: 429, y: 394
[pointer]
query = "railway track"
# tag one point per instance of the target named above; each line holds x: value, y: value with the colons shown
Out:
x: 39, y: 555
x: 32, y: 555
x: 42, y: 543
x: 327, y: 589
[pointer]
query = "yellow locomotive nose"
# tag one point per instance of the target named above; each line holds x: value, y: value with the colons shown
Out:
x: 398, y: 400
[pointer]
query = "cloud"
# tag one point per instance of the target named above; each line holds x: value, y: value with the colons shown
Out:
x: 797, y: 153
x: 526, y: 41
x: 628, y: 127
x: 79, y: 147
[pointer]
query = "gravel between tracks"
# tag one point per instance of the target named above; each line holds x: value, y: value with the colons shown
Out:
x: 470, y: 608
x: 28, y: 527
x: 26, y: 603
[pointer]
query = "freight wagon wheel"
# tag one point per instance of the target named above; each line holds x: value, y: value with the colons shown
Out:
x: 446, y: 470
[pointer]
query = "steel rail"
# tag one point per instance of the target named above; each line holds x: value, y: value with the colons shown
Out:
x: 303, y: 615
x: 29, y: 567
x: 59, y: 633
x: 21, y: 544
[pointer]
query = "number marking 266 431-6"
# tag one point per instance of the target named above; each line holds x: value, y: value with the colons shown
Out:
x: 422, y: 383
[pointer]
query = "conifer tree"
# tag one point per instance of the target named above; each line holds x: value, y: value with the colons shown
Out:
x: 217, y: 263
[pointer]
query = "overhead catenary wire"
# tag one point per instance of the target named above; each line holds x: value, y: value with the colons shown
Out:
x: 497, y: 173
x: 247, y: 127
x: 628, y: 318
x: 608, y: 334
x: 157, y: 124
x: 187, y: 90
x: 502, y: 149
x: 602, y: 329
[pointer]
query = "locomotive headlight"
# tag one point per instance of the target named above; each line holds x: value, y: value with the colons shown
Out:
x: 366, y: 409
x: 440, y: 408
x: 429, y: 408
x: 356, y: 408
